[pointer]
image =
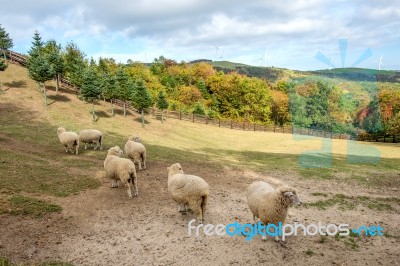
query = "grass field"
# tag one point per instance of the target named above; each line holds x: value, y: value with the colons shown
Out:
x: 175, y: 141
x: 35, y: 169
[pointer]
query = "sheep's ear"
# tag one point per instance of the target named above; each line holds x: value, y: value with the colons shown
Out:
x: 288, y: 194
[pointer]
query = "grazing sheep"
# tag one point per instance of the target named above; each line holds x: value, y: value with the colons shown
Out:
x: 136, y: 151
x: 269, y: 204
x: 120, y: 169
x: 188, y: 190
x: 91, y: 136
x: 70, y: 140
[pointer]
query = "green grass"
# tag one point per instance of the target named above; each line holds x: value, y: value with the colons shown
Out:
x: 349, y: 203
x: 309, y: 252
x: 21, y: 205
x: 5, y: 262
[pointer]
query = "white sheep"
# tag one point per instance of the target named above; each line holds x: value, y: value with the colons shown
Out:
x: 269, y: 204
x: 121, y: 169
x: 70, y: 140
x: 91, y: 136
x: 188, y: 191
x: 136, y: 151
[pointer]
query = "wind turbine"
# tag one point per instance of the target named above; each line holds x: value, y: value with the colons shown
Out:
x: 222, y: 54
x: 380, y: 62
x: 263, y: 59
x: 330, y: 62
x: 216, y: 50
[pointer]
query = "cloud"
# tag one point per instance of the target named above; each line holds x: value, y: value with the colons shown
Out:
x: 188, y: 28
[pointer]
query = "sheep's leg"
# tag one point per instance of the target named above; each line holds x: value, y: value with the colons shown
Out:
x: 254, y: 219
x: 144, y: 161
x: 139, y: 164
x: 195, y: 205
x: 97, y: 144
x: 135, y: 184
x: 264, y: 237
x: 114, y: 183
x: 85, y: 146
x: 182, y: 208
x: 129, y: 190
x: 76, y: 149
x: 66, y: 149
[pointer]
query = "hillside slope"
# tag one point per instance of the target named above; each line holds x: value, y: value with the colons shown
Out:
x: 98, y: 225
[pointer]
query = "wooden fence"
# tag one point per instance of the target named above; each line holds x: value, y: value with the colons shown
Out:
x: 248, y: 126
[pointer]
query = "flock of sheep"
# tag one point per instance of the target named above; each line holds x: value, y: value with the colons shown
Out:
x: 189, y: 191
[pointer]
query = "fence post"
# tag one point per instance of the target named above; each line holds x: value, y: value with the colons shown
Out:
x: 192, y: 117
x: 206, y: 121
x: 394, y: 138
x: 254, y: 126
x: 243, y: 125
x: 283, y: 129
x: 219, y: 122
x: 231, y: 124
x: 180, y: 115
x: 265, y: 128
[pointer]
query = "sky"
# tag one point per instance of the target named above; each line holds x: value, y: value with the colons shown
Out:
x: 286, y: 34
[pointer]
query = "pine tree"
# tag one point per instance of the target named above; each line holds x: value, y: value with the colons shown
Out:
x: 5, y: 41
x: 90, y: 89
x: 124, y: 88
x: 141, y: 98
x: 75, y: 63
x: 3, y: 65
x: 199, y: 109
x: 109, y: 88
x: 41, y: 71
x: 162, y: 104
x: 53, y: 52
x: 35, y: 51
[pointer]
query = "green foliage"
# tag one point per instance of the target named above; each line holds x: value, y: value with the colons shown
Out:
x: 3, y: 65
x: 39, y: 68
x: 5, y: 41
x: 90, y: 88
x: 162, y: 102
x: 199, y: 109
x: 141, y: 97
x: 28, y: 206
x: 75, y: 63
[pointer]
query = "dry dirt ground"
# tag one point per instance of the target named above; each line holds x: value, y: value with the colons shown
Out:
x: 104, y: 227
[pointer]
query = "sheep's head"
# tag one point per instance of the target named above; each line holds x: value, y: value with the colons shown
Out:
x: 60, y: 130
x: 134, y: 138
x: 289, y: 195
x: 175, y: 169
x: 115, y: 151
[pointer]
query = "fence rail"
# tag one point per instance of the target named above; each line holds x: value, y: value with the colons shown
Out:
x: 248, y: 126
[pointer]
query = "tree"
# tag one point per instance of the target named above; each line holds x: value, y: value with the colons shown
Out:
x: 5, y: 41
x: 199, y: 109
x: 53, y: 52
x: 109, y: 88
x: 35, y: 51
x: 39, y: 68
x: 124, y: 88
x: 162, y: 104
x: 141, y: 98
x: 90, y: 89
x: 41, y: 71
x: 75, y: 63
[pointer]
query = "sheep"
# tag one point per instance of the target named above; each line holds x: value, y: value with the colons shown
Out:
x: 121, y: 169
x: 91, y: 136
x: 70, y: 140
x: 136, y: 151
x: 270, y: 205
x: 188, y: 190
